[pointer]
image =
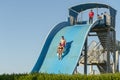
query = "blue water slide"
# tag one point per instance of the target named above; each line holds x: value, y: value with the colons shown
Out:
x: 46, y: 45
x: 75, y: 36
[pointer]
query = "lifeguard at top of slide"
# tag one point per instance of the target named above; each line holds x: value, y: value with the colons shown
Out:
x: 75, y: 35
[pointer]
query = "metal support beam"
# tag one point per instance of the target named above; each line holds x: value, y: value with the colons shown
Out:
x: 117, y: 60
x: 108, y: 61
x: 92, y: 34
x: 91, y: 69
x: 85, y: 57
x: 108, y: 51
x: 114, y: 53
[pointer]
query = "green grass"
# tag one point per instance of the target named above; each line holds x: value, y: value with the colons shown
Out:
x: 43, y: 76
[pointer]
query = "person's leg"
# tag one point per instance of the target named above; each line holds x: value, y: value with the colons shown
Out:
x: 59, y: 56
x: 89, y: 20
x: 58, y: 51
x: 62, y: 50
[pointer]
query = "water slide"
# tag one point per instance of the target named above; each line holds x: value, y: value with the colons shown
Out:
x: 75, y: 36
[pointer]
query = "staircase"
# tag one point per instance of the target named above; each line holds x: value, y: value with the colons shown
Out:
x: 105, y: 40
x: 95, y: 56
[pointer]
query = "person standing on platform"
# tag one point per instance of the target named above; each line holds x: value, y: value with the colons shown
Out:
x: 91, y: 15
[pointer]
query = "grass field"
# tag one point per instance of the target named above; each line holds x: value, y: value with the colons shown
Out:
x: 43, y: 76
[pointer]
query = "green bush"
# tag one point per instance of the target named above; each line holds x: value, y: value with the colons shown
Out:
x: 44, y: 76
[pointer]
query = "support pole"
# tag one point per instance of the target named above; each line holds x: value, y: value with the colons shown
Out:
x: 117, y: 60
x: 91, y: 69
x: 114, y: 67
x: 97, y: 10
x: 108, y: 51
x: 81, y: 16
x: 85, y: 57
x: 114, y: 53
x: 108, y: 61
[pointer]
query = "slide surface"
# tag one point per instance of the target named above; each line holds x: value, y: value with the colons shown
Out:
x: 75, y: 38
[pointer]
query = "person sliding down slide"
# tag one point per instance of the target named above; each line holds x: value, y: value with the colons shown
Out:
x: 63, y: 41
x: 60, y: 51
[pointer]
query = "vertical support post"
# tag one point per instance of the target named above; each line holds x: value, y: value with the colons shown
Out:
x: 117, y: 60
x: 91, y: 69
x: 108, y: 51
x: 71, y: 20
x: 108, y: 61
x: 81, y: 16
x: 85, y: 57
x: 114, y: 67
x: 114, y: 53
x: 97, y: 10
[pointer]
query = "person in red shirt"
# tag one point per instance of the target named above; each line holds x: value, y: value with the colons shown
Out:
x: 91, y: 15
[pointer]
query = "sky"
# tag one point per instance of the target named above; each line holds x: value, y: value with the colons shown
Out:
x: 24, y: 25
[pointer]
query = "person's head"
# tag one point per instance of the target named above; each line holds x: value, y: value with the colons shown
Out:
x: 62, y: 37
x: 105, y: 12
x: 60, y: 44
x: 91, y: 10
